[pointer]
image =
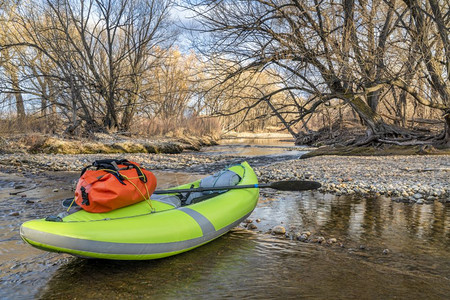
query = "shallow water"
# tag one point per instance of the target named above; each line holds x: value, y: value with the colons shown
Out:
x: 384, y: 250
x: 255, y: 147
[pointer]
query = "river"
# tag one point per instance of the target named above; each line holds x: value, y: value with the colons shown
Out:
x: 383, y: 249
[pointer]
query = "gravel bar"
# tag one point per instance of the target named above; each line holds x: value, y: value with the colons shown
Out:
x: 414, y: 179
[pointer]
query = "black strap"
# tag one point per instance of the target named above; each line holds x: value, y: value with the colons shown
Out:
x: 54, y: 219
x: 84, y: 196
x: 184, y: 197
x: 141, y: 175
x: 112, y: 164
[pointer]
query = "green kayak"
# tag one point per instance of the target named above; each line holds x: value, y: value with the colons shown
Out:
x: 137, y: 232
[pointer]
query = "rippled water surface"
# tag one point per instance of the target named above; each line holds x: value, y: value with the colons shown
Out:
x: 384, y: 250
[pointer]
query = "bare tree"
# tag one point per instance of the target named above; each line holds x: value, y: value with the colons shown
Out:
x: 328, y: 52
x: 9, y: 62
x: 430, y: 31
x: 99, y: 49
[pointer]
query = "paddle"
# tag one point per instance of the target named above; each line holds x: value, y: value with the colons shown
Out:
x: 289, y: 185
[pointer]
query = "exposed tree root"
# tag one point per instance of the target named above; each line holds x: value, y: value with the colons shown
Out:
x: 389, y: 135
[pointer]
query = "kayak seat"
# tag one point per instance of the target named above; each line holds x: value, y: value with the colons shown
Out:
x: 221, y: 178
x: 173, y: 200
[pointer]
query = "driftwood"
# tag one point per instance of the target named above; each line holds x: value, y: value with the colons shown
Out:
x: 25, y: 190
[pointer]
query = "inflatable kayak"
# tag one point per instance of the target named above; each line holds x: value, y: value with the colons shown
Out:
x: 141, y: 231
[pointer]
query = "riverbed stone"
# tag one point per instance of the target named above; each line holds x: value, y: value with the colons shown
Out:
x: 279, y: 229
x: 302, y: 237
x: 252, y: 226
x: 320, y: 239
x: 418, y: 196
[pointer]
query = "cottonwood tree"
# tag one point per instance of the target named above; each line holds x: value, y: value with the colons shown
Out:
x: 429, y: 34
x: 171, y: 86
x: 328, y: 52
x: 250, y: 100
x: 100, y: 50
x: 9, y: 62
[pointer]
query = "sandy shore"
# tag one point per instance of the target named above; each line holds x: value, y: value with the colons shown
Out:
x: 418, y: 179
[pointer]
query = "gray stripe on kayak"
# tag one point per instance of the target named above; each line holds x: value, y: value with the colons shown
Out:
x: 206, y: 226
x: 52, y: 240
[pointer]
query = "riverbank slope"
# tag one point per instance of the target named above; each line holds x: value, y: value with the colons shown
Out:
x: 102, y: 143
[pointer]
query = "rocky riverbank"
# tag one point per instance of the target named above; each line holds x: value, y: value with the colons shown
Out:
x: 415, y: 179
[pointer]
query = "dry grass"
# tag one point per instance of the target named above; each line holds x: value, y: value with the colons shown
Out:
x: 10, y: 125
x: 34, y: 135
x: 193, y: 126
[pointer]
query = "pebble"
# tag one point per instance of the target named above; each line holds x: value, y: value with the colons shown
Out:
x: 320, y: 239
x: 302, y: 237
x: 418, y: 196
x: 252, y: 226
x: 278, y: 229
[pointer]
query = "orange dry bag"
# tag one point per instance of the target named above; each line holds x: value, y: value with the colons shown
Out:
x: 114, y: 184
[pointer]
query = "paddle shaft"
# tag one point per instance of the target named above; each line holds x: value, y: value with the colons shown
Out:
x: 280, y: 185
x: 289, y: 185
x: 217, y: 188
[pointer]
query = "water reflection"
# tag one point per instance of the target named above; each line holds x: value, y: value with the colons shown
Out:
x: 372, y: 220
x: 276, y: 141
x: 251, y: 264
x: 259, y: 265
x: 255, y: 147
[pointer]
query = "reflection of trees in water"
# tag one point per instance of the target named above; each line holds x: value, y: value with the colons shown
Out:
x: 379, y: 220
x: 440, y: 224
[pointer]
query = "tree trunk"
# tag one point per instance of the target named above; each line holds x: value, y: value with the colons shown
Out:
x: 447, y: 130
x: 12, y: 72
x: 18, y: 95
x: 372, y: 120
